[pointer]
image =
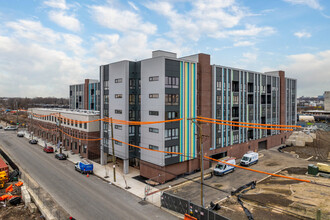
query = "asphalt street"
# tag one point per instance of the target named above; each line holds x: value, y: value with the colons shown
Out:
x: 82, y: 197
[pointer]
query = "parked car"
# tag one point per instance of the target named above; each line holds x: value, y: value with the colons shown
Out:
x: 20, y: 134
x: 10, y: 128
x: 0, y: 126
x: 49, y: 149
x: 33, y: 141
x: 84, y: 167
x: 249, y: 158
x: 222, y: 169
x: 60, y: 156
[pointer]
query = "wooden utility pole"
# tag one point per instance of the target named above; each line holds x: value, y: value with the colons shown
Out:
x: 60, y: 132
x: 201, y: 156
x: 113, y: 152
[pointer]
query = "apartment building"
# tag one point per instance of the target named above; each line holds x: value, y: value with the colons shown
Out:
x: 85, y: 95
x: 45, y: 127
x: 187, y: 87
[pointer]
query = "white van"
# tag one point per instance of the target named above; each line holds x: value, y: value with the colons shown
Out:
x: 249, y: 158
x: 222, y: 169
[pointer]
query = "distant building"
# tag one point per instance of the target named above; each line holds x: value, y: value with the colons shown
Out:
x: 85, y: 96
x: 327, y: 100
x: 45, y: 128
x: 165, y: 87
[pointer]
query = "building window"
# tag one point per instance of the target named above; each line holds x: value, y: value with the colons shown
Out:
x: 235, y: 99
x: 171, y: 99
x: 172, y: 133
x: 154, y: 130
x: 131, y: 99
x: 171, y: 115
x: 119, y: 80
x: 85, y: 126
x: 117, y: 111
x: 219, y: 99
x: 153, y: 147
x: 171, y: 82
x: 118, y: 96
x: 219, y: 85
x: 153, y: 96
x: 131, y: 130
x: 119, y: 127
x: 153, y: 78
x: 118, y: 143
x: 155, y: 113
x: 80, y: 125
x: 171, y: 149
x: 132, y: 83
x: 92, y: 91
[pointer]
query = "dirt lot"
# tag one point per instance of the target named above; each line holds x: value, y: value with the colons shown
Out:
x: 19, y: 212
x: 278, y: 198
x: 319, y: 149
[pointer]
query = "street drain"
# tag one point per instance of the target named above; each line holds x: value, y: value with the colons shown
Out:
x: 143, y: 202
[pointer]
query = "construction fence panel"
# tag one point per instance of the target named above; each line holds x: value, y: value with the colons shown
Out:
x: 184, y: 206
x: 174, y: 203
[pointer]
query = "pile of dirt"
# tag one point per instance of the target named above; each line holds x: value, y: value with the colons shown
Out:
x: 266, y: 199
x: 18, y: 213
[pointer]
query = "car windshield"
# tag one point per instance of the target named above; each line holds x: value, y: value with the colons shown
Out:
x: 220, y: 166
x: 245, y: 158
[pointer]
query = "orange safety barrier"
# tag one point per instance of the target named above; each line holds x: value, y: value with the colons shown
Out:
x: 4, y: 197
x: 189, y: 217
x: 20, y: 183
x: 147, y: 148
x: 9, y: 188
x: 244, y: 126
x: 258, y: 171
x: 247, y: 123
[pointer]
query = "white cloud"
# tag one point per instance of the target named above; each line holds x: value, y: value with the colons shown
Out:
x: 41, y: 71
x: 243, y: 43
x: 249, y: 57
x: 133, y: 6
x: 33, y: 30
x: 311, y: 71
x: 59, y: 4
x: 121, y: 20
x: 66, y: 21
x: 217, y: 19
x: 302, y: 34
x: 310, y: 3
x: 44, y: 61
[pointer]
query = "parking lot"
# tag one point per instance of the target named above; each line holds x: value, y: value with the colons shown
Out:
x: 219, y: 187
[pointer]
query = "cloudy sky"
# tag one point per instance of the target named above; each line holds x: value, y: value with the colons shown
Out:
x: 46, y: 45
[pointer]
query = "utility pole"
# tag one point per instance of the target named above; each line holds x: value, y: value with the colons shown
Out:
x: 60, y: 132
x: 201, y: 155
x: 113, y: 152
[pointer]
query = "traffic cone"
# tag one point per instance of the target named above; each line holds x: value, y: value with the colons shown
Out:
x: 87, y: 174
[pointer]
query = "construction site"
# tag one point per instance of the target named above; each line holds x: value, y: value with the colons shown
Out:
x: 15, y: 201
